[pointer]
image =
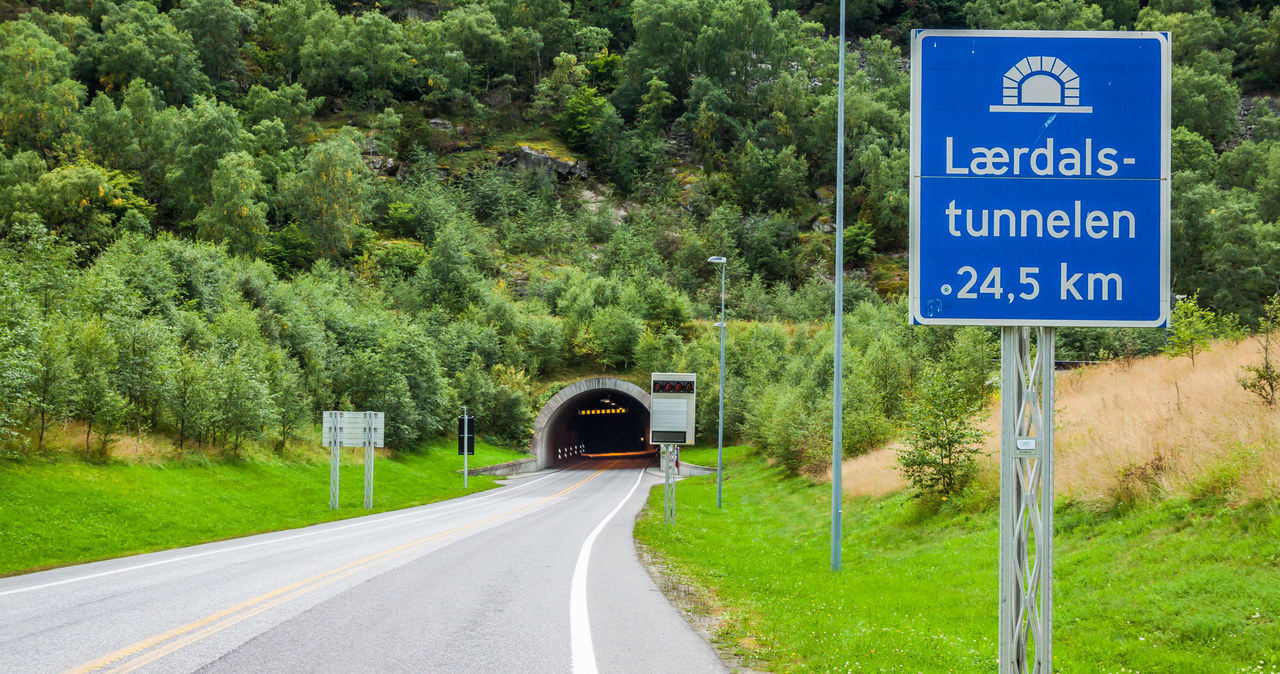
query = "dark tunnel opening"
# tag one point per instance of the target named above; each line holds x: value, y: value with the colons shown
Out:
x: 598, y: 424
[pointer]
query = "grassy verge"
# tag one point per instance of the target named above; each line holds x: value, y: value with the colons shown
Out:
x: 53, y: 514
x: 706, y: 456
x: 1180, y: 586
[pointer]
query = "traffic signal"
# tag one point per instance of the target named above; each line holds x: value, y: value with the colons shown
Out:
x: 670, y: 386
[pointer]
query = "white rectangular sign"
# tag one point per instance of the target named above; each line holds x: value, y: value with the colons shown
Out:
x: 350, y: 428
x: 670, y: 415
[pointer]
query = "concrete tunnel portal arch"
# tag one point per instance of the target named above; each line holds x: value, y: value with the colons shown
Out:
x: 604, y: 414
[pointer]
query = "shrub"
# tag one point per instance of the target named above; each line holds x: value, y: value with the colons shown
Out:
x: 1192, y: 328
x: 940, y: 455
x: 1264, y: 380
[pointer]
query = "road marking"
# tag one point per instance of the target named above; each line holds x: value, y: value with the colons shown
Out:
x: 141, y: 651
x: 584, y: 654
x: 418, y: 510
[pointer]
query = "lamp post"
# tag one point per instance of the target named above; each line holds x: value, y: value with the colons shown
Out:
x: 720, y: 431
x: 837, y: 393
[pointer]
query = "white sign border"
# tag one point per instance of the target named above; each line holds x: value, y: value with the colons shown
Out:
x: 1166, y: 104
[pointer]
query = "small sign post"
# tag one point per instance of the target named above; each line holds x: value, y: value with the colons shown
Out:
x: 466, y: 440
x: 352, y: 429
x: 1040, y: 166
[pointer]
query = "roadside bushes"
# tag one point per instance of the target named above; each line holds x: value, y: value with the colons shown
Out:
x: 178, y: 337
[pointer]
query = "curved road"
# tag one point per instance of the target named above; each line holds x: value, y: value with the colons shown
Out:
x: 537, y: 576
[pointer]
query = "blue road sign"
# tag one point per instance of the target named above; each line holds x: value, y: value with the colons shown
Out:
x: 1040, y: 178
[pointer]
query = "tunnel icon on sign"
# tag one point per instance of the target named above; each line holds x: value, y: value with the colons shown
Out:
x: 1041, y: 84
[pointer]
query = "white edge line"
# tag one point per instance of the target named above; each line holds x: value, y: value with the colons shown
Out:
x: 583, y: 653
x: 183, y: 558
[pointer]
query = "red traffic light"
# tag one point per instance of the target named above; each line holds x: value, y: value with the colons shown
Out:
x: 673, y: 387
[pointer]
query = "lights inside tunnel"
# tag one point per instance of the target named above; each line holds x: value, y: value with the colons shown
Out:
x: 610, y: 410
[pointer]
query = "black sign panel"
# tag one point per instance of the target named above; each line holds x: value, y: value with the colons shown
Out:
x: 466, y: 435
x: 660, y: 386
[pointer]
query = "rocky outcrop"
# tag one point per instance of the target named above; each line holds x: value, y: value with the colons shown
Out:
x: 535, y: 159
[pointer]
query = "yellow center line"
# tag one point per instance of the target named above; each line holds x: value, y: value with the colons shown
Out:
x: 292, y: 591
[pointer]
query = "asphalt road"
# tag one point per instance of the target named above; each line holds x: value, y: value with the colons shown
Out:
x: 537, y: 576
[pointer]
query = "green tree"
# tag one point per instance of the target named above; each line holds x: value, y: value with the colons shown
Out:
x: 769, y: 180
x: 139, y: 41
x: 1206, y: 103
x: 289, y: 395
x: 474, y: 31
x: 1033, y: 15
x: 217, y: 28
x: 581, y: 115
x: 611, y: 337
x: 447, y: 278
x: 1263, y: 380
x: 144, y: 349
x: 243, y: 404
x: 499, y: 399
x: 555, y: 90
x: 1192, y: 328
x: 206, y: 131
x: 666, y: 42
x: 387, y: 130
x: 51, y: 384
x: 941, y: 448
x: 93, y: 400
x: 189, y: 399
x: 328, y: 196
x: 38, y: 100
x: 237, y: 216
x: 654, y: 106
x: 1267, y: 54
x: 15, y: 353
x: 86, y: 204
x: 289, y: 104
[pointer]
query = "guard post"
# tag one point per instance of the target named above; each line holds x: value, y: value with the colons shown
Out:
x: 1040, y: 166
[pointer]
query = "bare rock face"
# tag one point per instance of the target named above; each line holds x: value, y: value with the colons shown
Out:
x: 440, y: 124
x: 385, y: 166
x: 533, y: 159
x: 826, y: 195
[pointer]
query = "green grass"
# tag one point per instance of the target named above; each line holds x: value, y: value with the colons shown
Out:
x: 700, y: 455
x: 1174, y: 587
x: 53, y: 514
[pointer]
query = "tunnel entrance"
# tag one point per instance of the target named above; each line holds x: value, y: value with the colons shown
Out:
x: 598, y: 416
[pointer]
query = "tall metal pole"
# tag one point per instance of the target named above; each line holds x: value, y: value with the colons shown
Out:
x: 837, y: 402
x: 368, y: 460
x: 720, y: 429
x: 334, y: 420
x: 466, y: 443
x: 1026, y: 502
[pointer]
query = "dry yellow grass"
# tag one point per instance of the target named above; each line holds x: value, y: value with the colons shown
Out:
x: 873, y: 474
x: 1162, y: 424
x: 1157, y: 425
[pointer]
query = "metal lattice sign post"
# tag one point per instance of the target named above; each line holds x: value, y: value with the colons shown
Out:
x: 1040, y: 166
x: 669, y: 458
x: 352, y: 429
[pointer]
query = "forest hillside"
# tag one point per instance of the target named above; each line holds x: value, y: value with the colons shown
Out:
x: 218, y: 217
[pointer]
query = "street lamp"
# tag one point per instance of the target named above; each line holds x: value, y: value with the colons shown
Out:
x: 720, y: 432
x: 837, y: 389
